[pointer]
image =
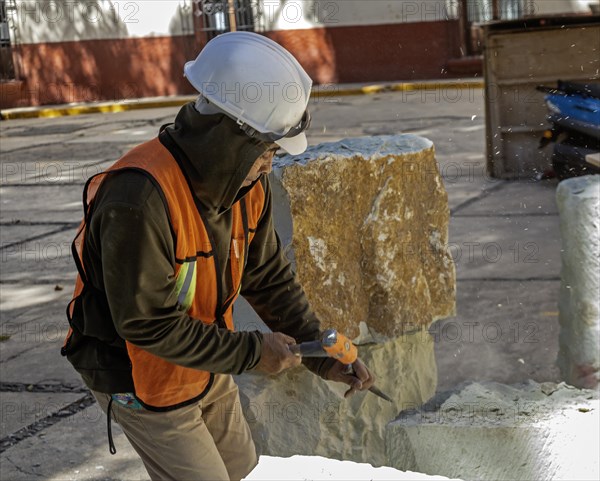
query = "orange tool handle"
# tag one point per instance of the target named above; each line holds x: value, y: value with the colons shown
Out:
x: 343, y: 350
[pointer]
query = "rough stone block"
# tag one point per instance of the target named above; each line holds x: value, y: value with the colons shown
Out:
x: 298, y: 413
x: 366, y: 219
x: 494, y: 431
x: 579, y: 305
x: 366, y: 222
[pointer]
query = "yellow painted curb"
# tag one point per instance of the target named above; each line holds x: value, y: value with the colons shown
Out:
x: 88, y: 109
x: 396, y: 87
x: 319, y: 93
x: 437, y: 86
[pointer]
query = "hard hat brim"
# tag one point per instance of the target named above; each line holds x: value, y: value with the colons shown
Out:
x: 293, y: 145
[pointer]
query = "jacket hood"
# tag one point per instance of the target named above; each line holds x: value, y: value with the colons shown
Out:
x: 218, y: 155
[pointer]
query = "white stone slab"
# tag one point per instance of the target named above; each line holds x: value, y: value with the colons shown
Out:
x: 494, y: 431
x: 317, y: 468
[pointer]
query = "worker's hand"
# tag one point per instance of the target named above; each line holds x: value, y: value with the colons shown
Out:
x: 359, y: 378
x: 276, y: 356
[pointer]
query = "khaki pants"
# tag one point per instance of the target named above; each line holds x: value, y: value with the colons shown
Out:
x: 207, y: 441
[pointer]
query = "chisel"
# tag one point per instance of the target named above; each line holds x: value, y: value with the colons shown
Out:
x: 337, y: 346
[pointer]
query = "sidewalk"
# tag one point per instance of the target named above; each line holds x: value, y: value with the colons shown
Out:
x: 503, y: 235
x: 330, y: 91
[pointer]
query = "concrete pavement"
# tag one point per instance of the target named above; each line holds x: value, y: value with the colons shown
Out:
x: 504, y: 238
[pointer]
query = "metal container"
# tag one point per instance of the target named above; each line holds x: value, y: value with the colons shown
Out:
x: 518, y: 56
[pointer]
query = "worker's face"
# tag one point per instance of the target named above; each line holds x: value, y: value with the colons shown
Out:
x: 263, y: 165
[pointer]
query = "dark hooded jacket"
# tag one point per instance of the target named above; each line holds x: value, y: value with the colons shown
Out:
x: 129, y: 257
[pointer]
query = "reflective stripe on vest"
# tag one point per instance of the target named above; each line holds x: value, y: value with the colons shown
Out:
x: 158, y: 383
x: 186, y: 285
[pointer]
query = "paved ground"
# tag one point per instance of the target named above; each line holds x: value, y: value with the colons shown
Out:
x: 504, y: 237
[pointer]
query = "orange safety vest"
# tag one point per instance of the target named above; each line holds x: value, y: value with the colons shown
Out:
x: 158, y: 383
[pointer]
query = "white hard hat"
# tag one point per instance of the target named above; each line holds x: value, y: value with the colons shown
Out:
x: 258, y: 83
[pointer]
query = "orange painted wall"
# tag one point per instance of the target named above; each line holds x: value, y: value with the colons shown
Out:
x: 403, y: 51
x: 95, y: 70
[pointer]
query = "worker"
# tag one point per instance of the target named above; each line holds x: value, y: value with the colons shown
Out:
x: 173, y: 232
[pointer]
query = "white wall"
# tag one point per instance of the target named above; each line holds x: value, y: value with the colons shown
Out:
x: 549, y: 7
x: 299, y: 14
x: 285, y: 14
x: 39, y: 21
